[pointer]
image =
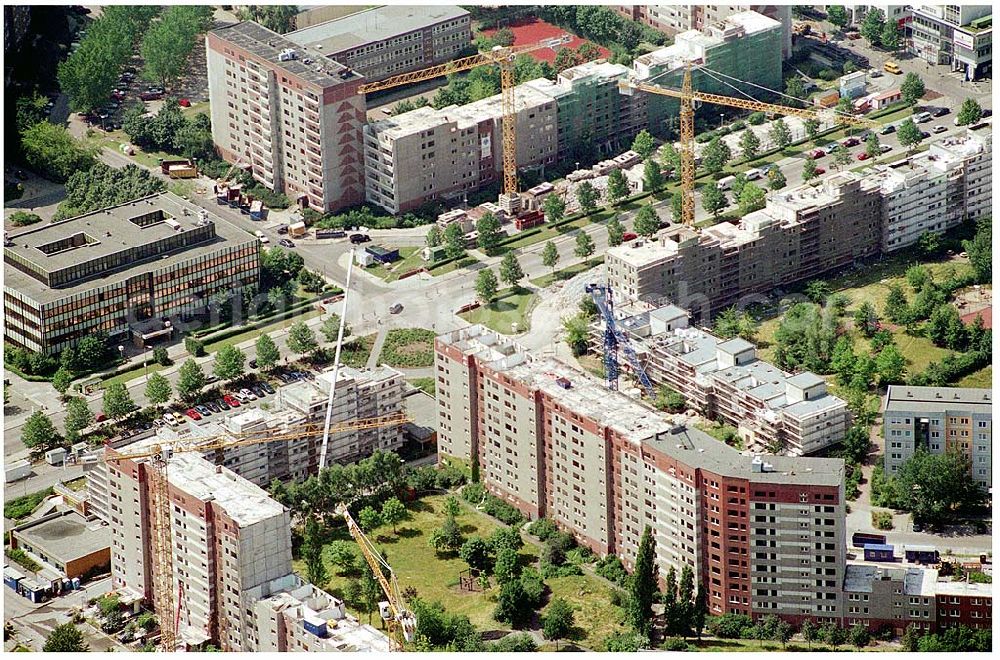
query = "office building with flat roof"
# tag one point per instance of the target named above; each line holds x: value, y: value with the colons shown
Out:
x: 937, y: 420
x: 762, y: 534
x: 289, y: 113
x: 390, y: 40
x: 123, y: 270
x: 960, y: 36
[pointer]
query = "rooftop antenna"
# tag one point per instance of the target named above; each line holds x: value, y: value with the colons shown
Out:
x: 336, y: 366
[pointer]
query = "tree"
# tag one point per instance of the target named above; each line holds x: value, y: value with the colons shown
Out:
x: 642, y: 585
x: 890, y: 36
x: 808, y: 631
x: 818, y: 291
x: 844, y: 108
x: 859, y: 634
x: 65, y: 638
x: 646, y: 221
x: 555, y: 208
x: 53, y: 153
x: 795, y: 88
x: 566, y: 58
x: 161, y: 357
x: 812, y: 128
x: 940, y: 324
x: 775, y: 179
x: 61, y: 380
x: 980, y: 250
x: 158, y: 389
x: 267, y: 352
x: 913, y: 88
x: 584, y: 245
x: 393, y: 512
x: 301, y: 338
x: 837, y: 15
x: 733, y: 322
x: 842, y: 158
x: 312, y: 553
x: 809, y: 169
x: 229, y: 362
x: 896, y: 306
x: 616, y: 232
x: 677, y: 206
x: 933, y: 487
x: 652, y: 176
x: 510, y: 270
x: 503, y: 37
x: 749, y: 145
x: 557, y: 621
x: 970, y: 113
x: 842, y: 360
x: 866, y: 319
x: 191, y: 380
x: 78, y: 416
x: 671, y: 159
x: 369, y: 592
x: 577, y: 329
x: 872, y: 146
x: 890, y: 365
x: 194, y: 347
x: 448, y: 537
x: 369, y: 519
x: 780, y: 134
x: 117, y: 402
x: 670, y: 400
x: 587, y: 195
x: 505, y: 568
x: 454, y: 241
x: 512, y: 605
x: 489, y: 232
x: 476, y: 553
x: 617, y: 186
x: 716, y: 155
x: 909, y: 134
x: 434, y: 236
x: 872, y: 26
x: 452, y: 507
x: 625, y: 642
x: 486, y: 286
x: 713, y: 199
x: 753, y: 198
x: 643, y: 144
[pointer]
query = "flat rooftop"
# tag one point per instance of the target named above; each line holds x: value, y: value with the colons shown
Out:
x: 964, y: 589
x: 373, y: 25
x: 66, y: 537
x: 136, y: 225
x: 243, y: 501
x: 908, y: 398
x: 858, y: 578
x: 310, y: 64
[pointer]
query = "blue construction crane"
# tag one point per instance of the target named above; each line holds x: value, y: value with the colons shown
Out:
x: 613, y: 338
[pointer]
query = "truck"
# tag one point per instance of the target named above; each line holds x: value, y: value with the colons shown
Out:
x: 861, y: 539
x: 257, y: 210
x: 330, y: 233
x: 179, y: 169
x: 17, y: 470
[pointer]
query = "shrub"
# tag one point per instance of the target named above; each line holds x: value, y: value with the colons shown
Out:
x: 23, y: 218
x: 21, y: 507
x: 408, y: 347
x: 730, y: 626
x: 756, y: 119
x: 882, y: 519
x: 19, y: 556
x: 542, y: 529
x: 611, y: 568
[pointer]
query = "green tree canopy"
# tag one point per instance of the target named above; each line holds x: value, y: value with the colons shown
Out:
x: 617, y: 186
x: 301, y: 338
x: 267, y: 352
x: 646, y: 221
x: 643, y: 144
x: 65, y: 638
x: 117, y: 401
x: 229, y: 362
x: 486, y: 285
x: 158, y: 389
x: 191, y: 379
x: 510, y: 270
x: 489, y: 232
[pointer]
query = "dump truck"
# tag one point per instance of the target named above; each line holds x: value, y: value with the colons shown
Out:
x: 179, y: 169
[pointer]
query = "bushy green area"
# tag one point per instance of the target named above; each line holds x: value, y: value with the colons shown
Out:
x: 408, y: 347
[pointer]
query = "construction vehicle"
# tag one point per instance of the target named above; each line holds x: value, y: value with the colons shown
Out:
x: 158, y: 456
x: 179, y: 169
x: 615, y: 338
x: 689, y: 96
x: 400, y: 621
x: 503, y: 56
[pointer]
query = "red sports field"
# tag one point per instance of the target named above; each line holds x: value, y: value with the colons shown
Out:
x: 530, y: 31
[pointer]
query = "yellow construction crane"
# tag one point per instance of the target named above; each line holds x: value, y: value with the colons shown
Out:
x: 687, y: 98
x: 399, y: 619
x: 503, y: 56
x: 161, y: 532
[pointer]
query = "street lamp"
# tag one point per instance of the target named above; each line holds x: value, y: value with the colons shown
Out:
x: 722, y: 118
x: 145, y: 365
x: 121, y: 351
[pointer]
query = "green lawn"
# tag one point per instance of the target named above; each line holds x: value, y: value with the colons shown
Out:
x: 408, y: 347
x: 510, y: 306
x: 311, y: 312
x: 355, y: 352
x: 546, y: 234
x: 131, y: 374
x: 464, y: 262
x: 753, y: 646
x: 594, y: 617
x: 409, y: 259
x: 982, y: 378
x: 567, y: 273
x: 427, y: 384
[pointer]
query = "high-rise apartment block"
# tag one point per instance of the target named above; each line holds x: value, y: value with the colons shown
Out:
x: 764, y: 535
x: 679, y: 18
x: 957, y: 35
x: 773, y: 411
x: 386, y: 41
x: 801, y: 233
x: 938, y: 420
x: 288, y: 112
x: 122, y: 270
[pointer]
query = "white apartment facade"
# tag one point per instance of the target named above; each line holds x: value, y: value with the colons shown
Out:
x: 956, y: 35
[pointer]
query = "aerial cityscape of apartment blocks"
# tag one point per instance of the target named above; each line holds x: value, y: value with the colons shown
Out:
x: 289, y: 112
x: 939, y: 420
x: 122, y: 270
x: 390, y: 40
x: 763, y: 534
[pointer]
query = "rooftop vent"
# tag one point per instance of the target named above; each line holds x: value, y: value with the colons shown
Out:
x: 286, y: 55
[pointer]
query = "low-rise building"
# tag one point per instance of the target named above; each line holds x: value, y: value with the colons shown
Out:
x: 74, y: 546
x: 968, y: 604
x: 937, y: 420
x: 122, y: 270
x: 890, y: 597
x: 392, y: 39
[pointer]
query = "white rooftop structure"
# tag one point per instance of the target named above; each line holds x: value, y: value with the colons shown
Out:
x: 242, y: 501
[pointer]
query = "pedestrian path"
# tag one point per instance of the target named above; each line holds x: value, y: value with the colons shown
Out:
x: 377, y: 347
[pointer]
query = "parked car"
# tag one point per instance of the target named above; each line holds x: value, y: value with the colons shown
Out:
x: 282, y: 230
x: 886, y: 130
x: 941, y: 112
x: 266, y: 387
x: 231, y: 400
x: 832, y: 147
x: 184, y: 103
x: 629, y: 236
x: 863, y: 156
x: 247, y: 395
x: 170, y: 419
x: 922, y: 117
x: 851, y: 142
x: 360, y: 238
x: 939, y: 129
x: 213, y: 406
x: 884, y: 148
x: 924, y: 134
x: 820, y: 170
x: 222, y: 404
x: 257, y: 391
x: 253, y: 364
x: 193, y: 414
x: 203, y: 410
x: 286, y: 242
x: 874, y: 73
x: 395, y: 308
x: 818, y: 153
x: 101, y: 417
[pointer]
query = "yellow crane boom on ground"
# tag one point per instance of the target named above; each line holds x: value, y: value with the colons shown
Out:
x: 688, y: 96
x: 161, y: 532
x: 503, y: 56
x: 399, y: 619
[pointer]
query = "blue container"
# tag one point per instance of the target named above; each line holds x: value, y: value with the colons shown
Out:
x: 10, y: 582
x: 879, y: 553
x: 76, y: 583
x: 315, y: 626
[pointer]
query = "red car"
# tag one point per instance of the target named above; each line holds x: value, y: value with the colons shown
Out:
x: 851, y: 142
x: 231, y: 400
x: 820, y: 170
x: 819, y: 153
x: 100, y: 417
x: 193, y: 414
x: 184, y: 103
x: 629, y: 236
x: 863, y: 156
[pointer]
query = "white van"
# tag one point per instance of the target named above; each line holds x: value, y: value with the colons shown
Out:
x: 260, y: 235
x: 725, y: 182
x: 922, y: 117
x: 753, y: 174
